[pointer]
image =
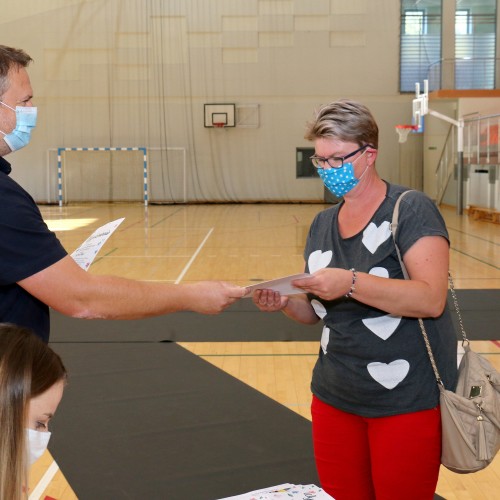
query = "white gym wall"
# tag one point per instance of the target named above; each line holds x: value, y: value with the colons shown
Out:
x: 137, y: 73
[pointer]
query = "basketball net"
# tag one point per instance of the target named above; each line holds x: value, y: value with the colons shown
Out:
x: 404, y: 130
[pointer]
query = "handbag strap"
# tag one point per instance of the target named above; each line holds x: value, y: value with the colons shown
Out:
x: 465, y: 340
x: 393, y: 227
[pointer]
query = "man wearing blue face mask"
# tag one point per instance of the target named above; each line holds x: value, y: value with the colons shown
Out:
x: 23, y: 116
x: 25, y: 122
x: 35, y: 270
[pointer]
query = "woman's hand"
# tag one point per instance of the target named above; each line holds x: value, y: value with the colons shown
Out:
x: 296, y: 307
x: 422, y: 296
x: 326, y: 283
x: 269, y: 301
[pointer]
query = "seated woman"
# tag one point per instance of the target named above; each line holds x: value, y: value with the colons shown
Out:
x: 32, y: 380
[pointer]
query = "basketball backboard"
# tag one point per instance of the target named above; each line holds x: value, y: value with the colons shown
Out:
x: 219, y: 115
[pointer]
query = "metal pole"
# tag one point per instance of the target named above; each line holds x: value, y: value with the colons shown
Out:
x: 460, y: 167
x: 460, y: 182
x: 460, y: 155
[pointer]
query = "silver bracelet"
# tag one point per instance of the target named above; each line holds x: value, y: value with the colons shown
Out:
x: 353, y: 284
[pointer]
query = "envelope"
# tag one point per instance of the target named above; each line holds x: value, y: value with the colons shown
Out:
x: 281, y: 285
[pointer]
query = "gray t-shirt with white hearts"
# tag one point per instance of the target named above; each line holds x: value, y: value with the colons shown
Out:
x: 372, y: 363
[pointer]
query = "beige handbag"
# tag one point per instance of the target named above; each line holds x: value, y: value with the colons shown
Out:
x: 470, y: 416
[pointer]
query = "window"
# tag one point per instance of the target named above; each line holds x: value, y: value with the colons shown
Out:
x: 475, y: 40
x: 462, y: 22
x: 474, y: 63
x: 414, y: 22
x: 420, y: 41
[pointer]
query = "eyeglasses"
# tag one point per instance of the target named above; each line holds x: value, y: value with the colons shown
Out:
x: 334, y: 161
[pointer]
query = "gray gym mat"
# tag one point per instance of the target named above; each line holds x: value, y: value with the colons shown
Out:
x: 153, y: 421
x: 244, y: 322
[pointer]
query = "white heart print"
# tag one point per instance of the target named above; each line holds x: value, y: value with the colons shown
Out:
x: 320, y: 311
x: 319, y: 308
x: 319, y: 260
x: 381, y: 272
x: 325, y: 338
x: 389, y: 375
x: 374, y: 236
x: 382, y: 326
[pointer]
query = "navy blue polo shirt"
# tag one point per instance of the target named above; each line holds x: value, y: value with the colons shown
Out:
x: 27, y: 246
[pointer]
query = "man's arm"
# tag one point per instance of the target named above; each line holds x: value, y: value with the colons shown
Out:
x: 67, y: 288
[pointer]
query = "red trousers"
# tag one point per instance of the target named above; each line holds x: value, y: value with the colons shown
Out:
x: 385, y: 458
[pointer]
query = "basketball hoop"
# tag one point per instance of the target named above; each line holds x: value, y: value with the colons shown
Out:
x: 219, y: 124
x: 404, y: 130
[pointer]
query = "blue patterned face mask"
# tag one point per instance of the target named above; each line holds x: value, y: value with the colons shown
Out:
x: 341, y: 180
x: 25, y: 123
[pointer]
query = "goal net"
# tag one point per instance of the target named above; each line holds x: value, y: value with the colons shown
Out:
x: 155, y: 175
x: 102, y: 174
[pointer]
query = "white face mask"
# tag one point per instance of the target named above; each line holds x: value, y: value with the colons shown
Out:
x: 37, y: 444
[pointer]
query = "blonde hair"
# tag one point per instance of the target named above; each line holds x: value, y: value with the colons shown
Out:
x: 28, y: 367
x: 345, y: 120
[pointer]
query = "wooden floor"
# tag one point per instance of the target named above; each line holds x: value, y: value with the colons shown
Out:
x: 247, y: 243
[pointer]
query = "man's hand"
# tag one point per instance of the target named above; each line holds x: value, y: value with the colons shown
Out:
x: 212, y: 297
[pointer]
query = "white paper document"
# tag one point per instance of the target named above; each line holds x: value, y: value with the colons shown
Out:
x: 85, y: 254
x: 285, y: 492
x: 282, y: 285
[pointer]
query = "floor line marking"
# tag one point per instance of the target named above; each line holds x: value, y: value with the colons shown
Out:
x: 161, y: 221
x: 473, y: 235
x: 474, y: 258
x: 191, y: 260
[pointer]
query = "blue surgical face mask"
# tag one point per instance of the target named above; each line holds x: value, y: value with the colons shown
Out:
x: 25, y: 123
x: 340, y: 181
